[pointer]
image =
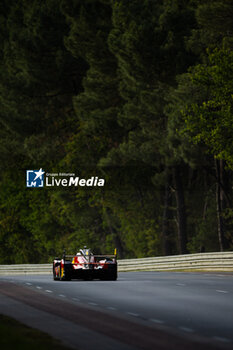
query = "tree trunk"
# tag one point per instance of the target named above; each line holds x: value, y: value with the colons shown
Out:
x: 116, y: 239
x: 220, y: 202
x: 181, y: 211
x: 167, y: 216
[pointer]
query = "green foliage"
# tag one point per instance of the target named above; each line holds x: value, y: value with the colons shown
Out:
x: 211, y: 120
x: 215, y: 23
x: 16, y: 241
x: 204, y: 236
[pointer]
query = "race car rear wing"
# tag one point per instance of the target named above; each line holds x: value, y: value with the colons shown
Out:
x: 98, y: 256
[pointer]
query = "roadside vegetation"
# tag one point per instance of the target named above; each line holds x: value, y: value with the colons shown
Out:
x: 15, y: 335
x: 137, y: 92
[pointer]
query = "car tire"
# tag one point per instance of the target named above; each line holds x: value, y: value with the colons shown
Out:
x: 110, y: 277
x: 113, y: 277
x: 64, y: 278
x: 54, y: 275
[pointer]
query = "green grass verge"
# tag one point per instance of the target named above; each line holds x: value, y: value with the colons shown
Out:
x: 16, y: 336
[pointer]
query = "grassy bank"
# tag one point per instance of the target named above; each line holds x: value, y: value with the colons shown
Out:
x: 14, y: 335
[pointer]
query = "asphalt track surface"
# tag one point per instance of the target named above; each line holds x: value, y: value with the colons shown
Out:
x: 141, y: 310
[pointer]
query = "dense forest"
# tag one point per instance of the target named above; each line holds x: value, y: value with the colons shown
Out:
x: 138, y: 92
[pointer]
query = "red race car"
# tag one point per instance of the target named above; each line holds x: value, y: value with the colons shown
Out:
x: 85, y: 265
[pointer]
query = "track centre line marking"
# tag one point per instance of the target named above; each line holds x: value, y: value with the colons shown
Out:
x: 222, y: 339
x: 156, y: 321
x: 29, y: 284
x: 38, y: 287
x: 48, y: 291
x: 180, y: 284
x: 94, y: 304
x: 75, y: 299
x: 186, y: 329
x: 62, y: 295
x: 132, y: 314
x: 222, y: 291
x: 111, y: 308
